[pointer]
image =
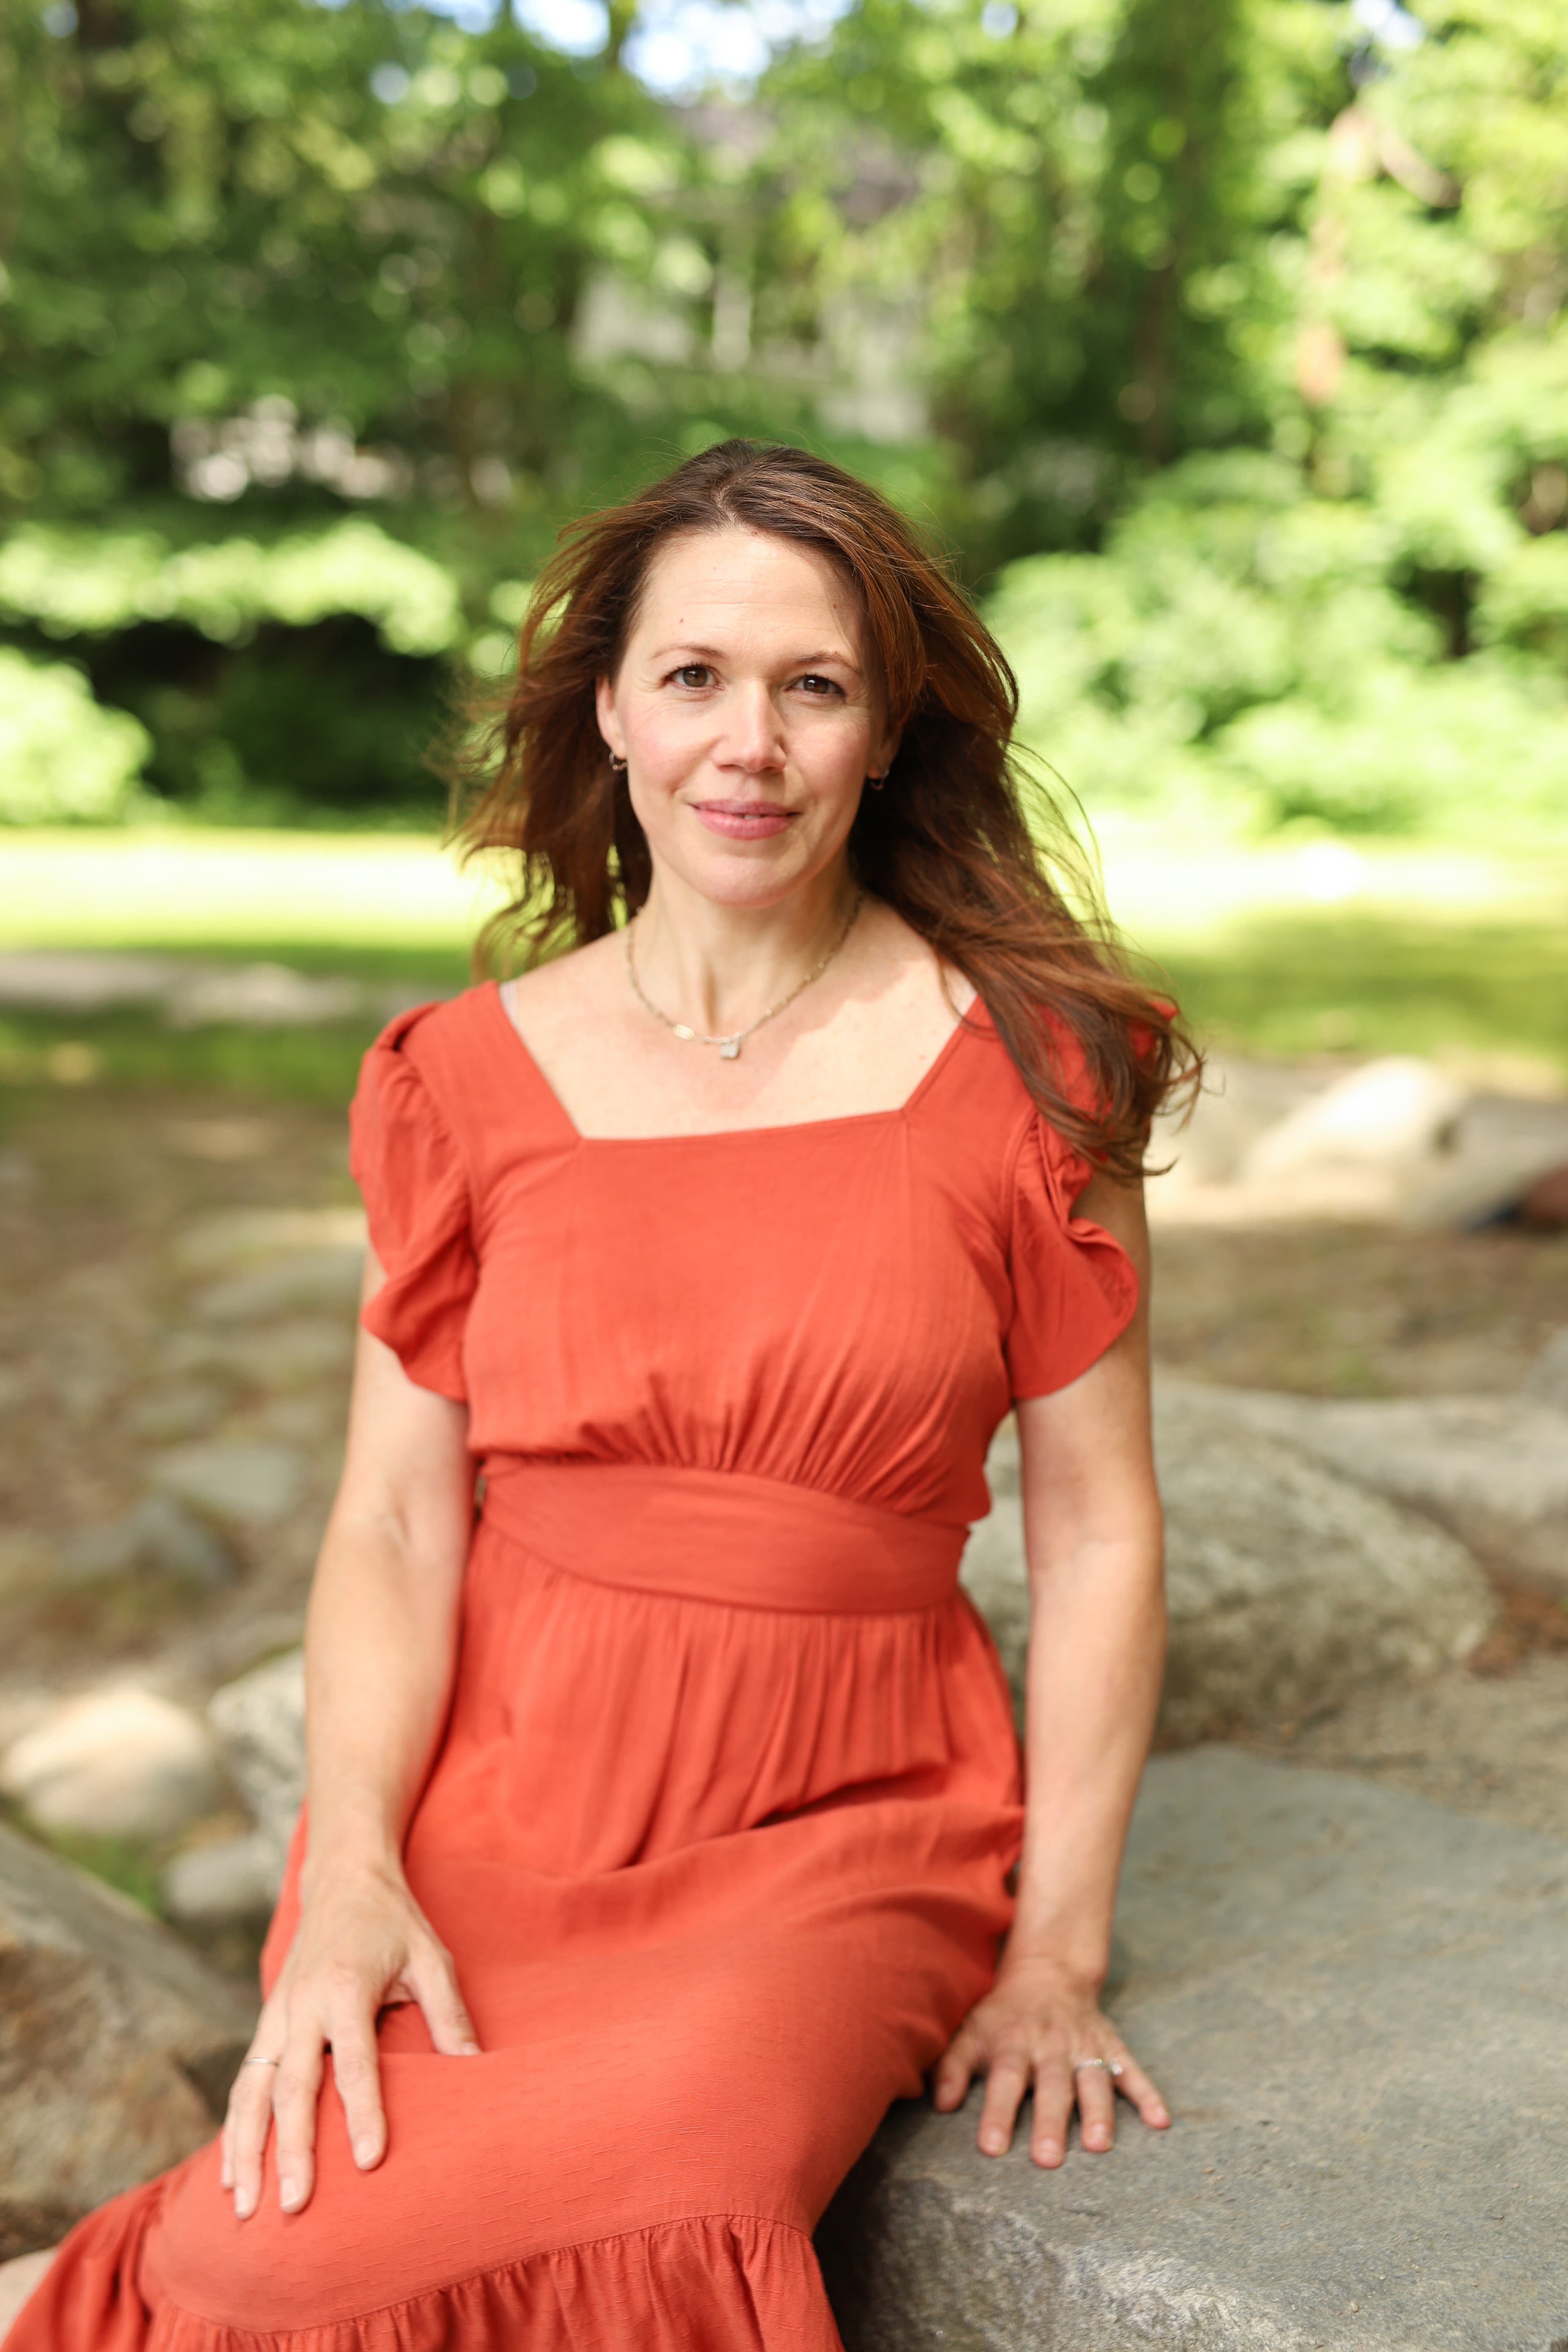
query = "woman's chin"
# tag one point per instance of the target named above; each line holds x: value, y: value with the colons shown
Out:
x: 740, y: 874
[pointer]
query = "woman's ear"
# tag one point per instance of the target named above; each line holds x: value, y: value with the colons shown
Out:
x: 609, y: 724
x: 886, y: 750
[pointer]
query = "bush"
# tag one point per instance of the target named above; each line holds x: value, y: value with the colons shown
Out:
x: 265, y: 682
x: 1243, y: 651
x: 63, y: 758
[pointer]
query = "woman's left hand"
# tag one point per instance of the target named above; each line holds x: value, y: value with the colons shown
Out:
x: 1034, y: 2029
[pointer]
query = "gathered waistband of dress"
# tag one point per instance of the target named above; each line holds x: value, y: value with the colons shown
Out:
x: 721, y: 1535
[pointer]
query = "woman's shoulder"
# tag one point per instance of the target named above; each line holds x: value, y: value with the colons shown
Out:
x: 441, y: 1055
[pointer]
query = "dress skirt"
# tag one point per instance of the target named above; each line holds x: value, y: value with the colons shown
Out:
x: 718, y: 1839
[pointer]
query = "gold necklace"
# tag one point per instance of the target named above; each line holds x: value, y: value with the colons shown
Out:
x: 730, y: 1047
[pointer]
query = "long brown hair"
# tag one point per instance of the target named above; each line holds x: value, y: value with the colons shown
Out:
x: 947, y: 844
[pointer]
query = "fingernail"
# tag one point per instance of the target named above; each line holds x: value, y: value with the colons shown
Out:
x: 993, y: 2143
x: 469, y: 2049
x: 242, y: 2204
x: 288, y: 2194
x: 365, y: 2153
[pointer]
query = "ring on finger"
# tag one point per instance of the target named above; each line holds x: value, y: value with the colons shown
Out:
x: 1111, y: 2066
x: 261, y: 2061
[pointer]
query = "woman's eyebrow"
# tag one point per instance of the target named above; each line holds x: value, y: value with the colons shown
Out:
x: 796, y: 661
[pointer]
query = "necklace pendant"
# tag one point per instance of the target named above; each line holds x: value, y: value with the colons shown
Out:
x: 729, y: 1049
x: 687, y: 1037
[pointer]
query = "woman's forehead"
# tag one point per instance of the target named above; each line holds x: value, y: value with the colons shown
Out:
x: 735, y: 578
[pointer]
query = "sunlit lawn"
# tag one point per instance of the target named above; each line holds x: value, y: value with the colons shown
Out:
x: 1274, y: 950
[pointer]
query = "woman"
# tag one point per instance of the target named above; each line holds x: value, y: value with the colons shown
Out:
x: 664, y: 1815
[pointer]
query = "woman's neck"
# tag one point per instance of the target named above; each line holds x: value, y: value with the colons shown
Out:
x: 719, y: 967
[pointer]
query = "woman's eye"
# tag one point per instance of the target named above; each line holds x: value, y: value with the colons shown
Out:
x: 816, y: 685
x: 693, y: 673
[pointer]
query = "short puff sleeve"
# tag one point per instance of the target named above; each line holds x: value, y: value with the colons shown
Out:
x: 410, y: 1171
x: 1074, y: 1289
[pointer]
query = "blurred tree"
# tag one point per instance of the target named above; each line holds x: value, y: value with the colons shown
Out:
x: 360, y: 231
x: 1085, y: 195
x: 1241, y: 322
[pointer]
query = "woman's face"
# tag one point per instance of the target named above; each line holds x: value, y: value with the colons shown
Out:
x: 745, y: 714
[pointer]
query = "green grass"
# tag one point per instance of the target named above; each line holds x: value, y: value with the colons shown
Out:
x: 1380, y: 983
x: 1283, y: 946
x: 236, y: 891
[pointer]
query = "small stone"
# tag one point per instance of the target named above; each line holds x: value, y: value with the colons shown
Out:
x: 160, y: 1536
x: 288, y: 1355
x: 259, y: 1720
x: 233, y: 1480
x: 313, y: 1282
x: 230, y: 1879
x: 231, y: 1238
x: 18, y: 1174
x: 184, y: 1409
x: 1546, y: 1382
x: 1545, y: 1208
x: 117, y: 1763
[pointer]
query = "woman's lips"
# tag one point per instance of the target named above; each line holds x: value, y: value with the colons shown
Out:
x: 743, y: 820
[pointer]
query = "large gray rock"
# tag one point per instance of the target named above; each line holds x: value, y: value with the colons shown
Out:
x: 116, y: 2045
x: 1392, y: 1113
x: 115, y: 1763
x: 259, y: 1720
x: 1288, y: 1585
x: 1353, y: 2002
x: 1502, y: 1144
x: 1493, y: 1468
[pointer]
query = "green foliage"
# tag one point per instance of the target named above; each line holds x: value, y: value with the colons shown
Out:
x: 363, y: 212
x: 62, y: 758
x: 70, y: 582
x: 268, y: 680
x: 1241, y: 650
x: 1223, y: 347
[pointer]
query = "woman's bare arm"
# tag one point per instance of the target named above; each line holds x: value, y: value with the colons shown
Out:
x: 1093, y: 1536
x: 380, y: 1646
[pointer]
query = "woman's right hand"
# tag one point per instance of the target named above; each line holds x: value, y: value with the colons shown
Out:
x: 362, y: 1944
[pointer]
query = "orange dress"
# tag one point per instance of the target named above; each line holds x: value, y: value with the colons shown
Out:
x: 720, y: 1831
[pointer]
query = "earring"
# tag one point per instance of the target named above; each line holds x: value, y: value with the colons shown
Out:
x: 617, y: 765
x: 876, y: 782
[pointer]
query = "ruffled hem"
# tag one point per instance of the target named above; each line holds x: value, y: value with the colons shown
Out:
x: 717, y: 2283
x: 1075, y: 1288
x: 411, y: 1173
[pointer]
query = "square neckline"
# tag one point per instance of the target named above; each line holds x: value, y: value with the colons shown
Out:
x: 968, y: 1022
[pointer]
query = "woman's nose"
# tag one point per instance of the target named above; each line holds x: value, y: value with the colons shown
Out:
x: 753, y: 737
